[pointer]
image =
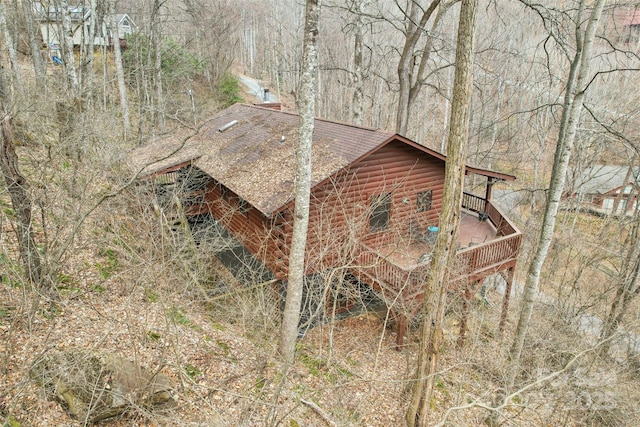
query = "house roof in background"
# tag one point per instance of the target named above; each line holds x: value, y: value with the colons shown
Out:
x: 77, y: 13
x: 600, y: 179
x: 55, y: 13
x: 119, y: 17
x: 251, y: 150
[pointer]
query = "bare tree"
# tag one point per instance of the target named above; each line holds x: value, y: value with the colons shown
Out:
x: 122, y: 88
x: 412, y: 72
x: 88, y: 46
x: 157, y: 60
x: 436, y: 285
x: 69, y: 62
x: 357, y: 76
x: 18, y: 189
x: 295, y: 280
x: 9, y: 41
x: 34, y: 37
x: 577, y: 83
x: 628, y: 284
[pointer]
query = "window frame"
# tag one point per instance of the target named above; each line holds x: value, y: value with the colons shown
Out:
x: 424, y: 200
x: 379, y: 212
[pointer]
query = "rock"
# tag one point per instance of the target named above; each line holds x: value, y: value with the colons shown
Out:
x: 94, y: 387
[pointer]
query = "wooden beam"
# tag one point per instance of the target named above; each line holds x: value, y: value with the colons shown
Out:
x: 508, y: 276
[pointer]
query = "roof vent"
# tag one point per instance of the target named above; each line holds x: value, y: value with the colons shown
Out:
x: 228, y: 125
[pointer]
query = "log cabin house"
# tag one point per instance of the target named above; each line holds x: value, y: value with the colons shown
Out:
x: 375, y: 201
x: 605, y: 190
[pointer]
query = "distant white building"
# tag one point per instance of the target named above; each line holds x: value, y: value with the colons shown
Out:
x: 600, y: 187
x: 50, y: 19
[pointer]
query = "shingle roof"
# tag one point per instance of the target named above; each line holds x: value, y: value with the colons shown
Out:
x: 255, y: 156
x: 600, y: 179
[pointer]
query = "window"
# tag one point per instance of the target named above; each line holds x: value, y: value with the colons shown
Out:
x: 380, y: 212
x: 424, y: 200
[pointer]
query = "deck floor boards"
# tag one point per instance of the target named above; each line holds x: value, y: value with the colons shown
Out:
x: 406, y: 254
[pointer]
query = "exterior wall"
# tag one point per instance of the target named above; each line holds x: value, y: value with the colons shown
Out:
x: 604, y: 203
x: 339, y: 212
x: 50, y: 32
x: 250, y: 226
x: 627, y: 204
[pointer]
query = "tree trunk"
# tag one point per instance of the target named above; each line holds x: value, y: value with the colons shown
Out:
x: 444, y: 252
x: 421, y: 75
x: 295, y: 281
x: 572, y: 107
x: 94, y: 21
x: 357, y: 75
x: 13, y: 55
x: 157, y: 62
x: 34, y: 37
x: 124, y: 103
x: 68, y: 60
x: 620, y: 196
x: 17, y: 188
x: 628, y: 286
x: 414, y: 31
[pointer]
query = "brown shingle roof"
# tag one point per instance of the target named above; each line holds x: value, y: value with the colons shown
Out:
x: 255, y: 158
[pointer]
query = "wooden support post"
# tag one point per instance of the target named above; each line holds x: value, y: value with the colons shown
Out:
x: 508, y: 277
x: 487, y: 194
x: 402, y: 329
x: 466, y: 299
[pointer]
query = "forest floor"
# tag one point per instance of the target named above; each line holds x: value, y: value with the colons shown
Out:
x: 226, y: 373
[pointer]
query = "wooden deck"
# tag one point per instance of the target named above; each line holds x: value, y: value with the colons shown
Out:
x: 488, y: 243
x: 408, y: 254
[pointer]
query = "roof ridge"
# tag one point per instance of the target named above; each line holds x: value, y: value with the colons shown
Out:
x: 337, y: 122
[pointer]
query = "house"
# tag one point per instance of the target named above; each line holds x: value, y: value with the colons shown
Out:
x: 607, y: 190
x: 375, y: 201
x: 50, y: 20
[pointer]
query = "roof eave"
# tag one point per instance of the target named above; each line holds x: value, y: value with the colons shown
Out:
x: 469, y: 169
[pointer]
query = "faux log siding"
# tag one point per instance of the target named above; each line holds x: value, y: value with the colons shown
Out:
x: 340, y: 208
x: 339, y: 211
x: 251, y: 228
x: 399, y: 169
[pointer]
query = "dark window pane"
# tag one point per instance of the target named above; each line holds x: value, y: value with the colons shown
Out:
x: 424, y: 200
x: 380, y: 212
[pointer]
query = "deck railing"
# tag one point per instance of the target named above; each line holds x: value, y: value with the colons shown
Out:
x: 477, y: 204
x: 392, y: 279
x: 473, y: 261
x: 474, y: 203
x: 487, y: 256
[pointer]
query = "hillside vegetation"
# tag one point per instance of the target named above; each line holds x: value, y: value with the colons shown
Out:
x: 127, y: 294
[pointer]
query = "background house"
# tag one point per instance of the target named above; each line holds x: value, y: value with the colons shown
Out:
x: 375, y: 202
x: 50, y: 20
x: 604, y: 189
